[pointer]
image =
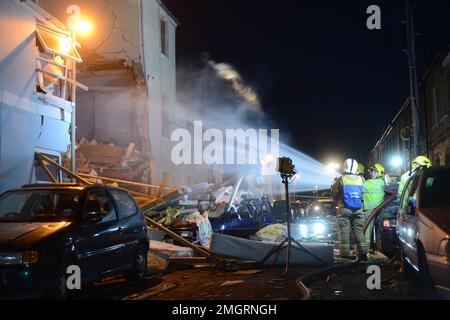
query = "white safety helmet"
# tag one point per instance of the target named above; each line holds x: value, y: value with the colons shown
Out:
x: 351, y: 166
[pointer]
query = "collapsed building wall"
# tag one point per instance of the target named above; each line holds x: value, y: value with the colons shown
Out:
x: 130, y: 67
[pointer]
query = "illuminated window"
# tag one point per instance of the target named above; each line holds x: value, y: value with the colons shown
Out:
x: 57, y: 43
x: 54, y: 70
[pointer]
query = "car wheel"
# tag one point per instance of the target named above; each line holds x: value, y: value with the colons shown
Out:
x: 57, y: 284
x: 383, y: 245
x: 139, y: 269
x: 426, y: 285
x: 380, y: 245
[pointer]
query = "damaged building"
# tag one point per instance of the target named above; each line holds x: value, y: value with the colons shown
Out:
x: 129, y: 65
x: 36, y: 59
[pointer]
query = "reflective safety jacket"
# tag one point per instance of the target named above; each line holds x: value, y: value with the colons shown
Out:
x: 373, y: 193
x: 352, y: 191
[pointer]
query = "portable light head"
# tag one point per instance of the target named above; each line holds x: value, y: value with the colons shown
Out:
x: 285, y: 166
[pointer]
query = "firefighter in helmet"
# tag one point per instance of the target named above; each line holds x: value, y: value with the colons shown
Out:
x: 373, y: 196
x: 347, y: 191
x: 420, y: 161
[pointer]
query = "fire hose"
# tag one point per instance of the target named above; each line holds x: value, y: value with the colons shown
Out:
x: 320, y: 273
x: 379, y: 208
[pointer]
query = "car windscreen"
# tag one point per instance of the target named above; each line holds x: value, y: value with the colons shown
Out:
x: 436, y: 190
x: 38, y: 205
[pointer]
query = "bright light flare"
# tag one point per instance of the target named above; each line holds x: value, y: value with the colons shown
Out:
x: 332, y: 167
x: 83, y: 26
x: 268, y: 164
x: 267, y: 160
x: 319, y: 228
x: 304, y: 230
x: 396, y: 162
x: 65, y: 45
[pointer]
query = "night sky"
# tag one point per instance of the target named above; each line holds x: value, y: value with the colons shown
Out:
x: 314, y: 63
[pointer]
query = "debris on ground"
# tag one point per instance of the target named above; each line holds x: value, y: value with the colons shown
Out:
x: 170, y: 250
x: 157, y: 260
x: 231, y: 283
x: 275, y: 232
x: 146, y: 295
x: 247, y: 272
x: 109, y: 160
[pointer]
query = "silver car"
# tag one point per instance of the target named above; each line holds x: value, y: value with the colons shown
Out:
x: 424, y: 227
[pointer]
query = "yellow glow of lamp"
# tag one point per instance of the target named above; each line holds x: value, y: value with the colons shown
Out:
x: 83, y: 26
x: 65, y: 45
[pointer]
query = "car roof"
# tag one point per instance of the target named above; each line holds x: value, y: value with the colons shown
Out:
x: 52, y: 185
x: 434, y: 169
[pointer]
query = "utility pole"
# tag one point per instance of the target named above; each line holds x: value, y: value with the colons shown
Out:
x: 414, y: 90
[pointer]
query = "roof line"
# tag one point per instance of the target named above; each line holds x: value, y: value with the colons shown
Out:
x: 170, y: 14
x: 390, y: 125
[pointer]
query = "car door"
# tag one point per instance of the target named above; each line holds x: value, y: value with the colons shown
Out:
x: 98, y: 243
x: 407, y: 228
x: 130, y: 225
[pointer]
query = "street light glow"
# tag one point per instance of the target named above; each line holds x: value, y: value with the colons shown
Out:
x: 332, y: 167
x: 396, y: 162
x: 83, y: 26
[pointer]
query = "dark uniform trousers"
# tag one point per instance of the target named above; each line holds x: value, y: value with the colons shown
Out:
x: 351, y: 223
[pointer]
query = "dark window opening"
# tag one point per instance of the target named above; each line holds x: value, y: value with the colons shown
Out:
x: 164, y: 46
x: 39, y: 173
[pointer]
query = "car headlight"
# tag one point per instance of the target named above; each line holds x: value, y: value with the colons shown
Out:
x: 444, y: 248
x: 319, y: 228
x: 304, y: 230
x: 15, y: 258
x: 389, y: 223
x: 187, y: 234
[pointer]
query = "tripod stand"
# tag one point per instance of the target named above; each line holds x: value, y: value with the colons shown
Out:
x: 287, y: 243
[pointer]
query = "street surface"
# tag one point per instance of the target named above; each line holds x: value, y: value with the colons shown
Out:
x: 204, y: 283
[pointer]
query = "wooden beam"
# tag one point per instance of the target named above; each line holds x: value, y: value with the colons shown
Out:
x: 175, y: 236
x: 67, y: 171
x: 44, y: 166
x: 78, y: 84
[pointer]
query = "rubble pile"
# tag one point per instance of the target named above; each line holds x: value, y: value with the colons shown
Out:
x: 113, y: 162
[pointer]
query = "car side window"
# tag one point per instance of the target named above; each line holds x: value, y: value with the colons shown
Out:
x: 410, y: 191
x: 405, y: 196
x: 125, y: 204
x: 99, y: 201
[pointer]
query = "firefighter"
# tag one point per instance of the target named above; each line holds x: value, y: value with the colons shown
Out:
x: 361, y: 169
x: 420, y: 161
x: 373, y: 195
x: 347, y: 191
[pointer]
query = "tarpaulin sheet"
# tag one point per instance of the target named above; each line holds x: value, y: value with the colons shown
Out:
x: 256, y: 250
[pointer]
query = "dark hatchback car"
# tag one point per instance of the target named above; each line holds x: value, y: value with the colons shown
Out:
x: 45, y: 228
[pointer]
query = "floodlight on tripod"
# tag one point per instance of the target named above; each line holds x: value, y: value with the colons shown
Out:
x: 287, y: 171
